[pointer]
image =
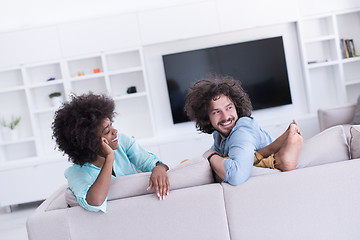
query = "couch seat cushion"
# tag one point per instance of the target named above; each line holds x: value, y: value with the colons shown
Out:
x: 319, y: 202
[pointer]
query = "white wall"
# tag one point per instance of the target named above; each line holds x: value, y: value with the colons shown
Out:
x: 160, y: 27
x: 160, y: 100
x: 311, y: 7
x: 16, y: 14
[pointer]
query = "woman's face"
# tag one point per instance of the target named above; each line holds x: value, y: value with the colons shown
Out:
x: 109, y: 133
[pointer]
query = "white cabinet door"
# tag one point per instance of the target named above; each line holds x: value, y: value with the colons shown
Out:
x: 180, y: 22
x: 34, y: 45
x: 235, y: 15
x: 100, y: 34
x: 31, y: 183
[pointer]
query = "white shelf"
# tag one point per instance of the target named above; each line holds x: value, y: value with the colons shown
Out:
x: 127, y: 70
x: 322, y: 64
x: 320, y: 39
x: 350, y: 60
x: 129, y: 96
x: 87, y: 77
x: 42, y: 73
x: 12, y: 89
x: 352, y: 82
x: 48, y: 83
x: 45, y: 110
x: 26, y: 94
x: 330, y: 80
x: 23, y: 140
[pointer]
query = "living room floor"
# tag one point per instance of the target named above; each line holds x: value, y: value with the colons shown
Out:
x: 12, y: 224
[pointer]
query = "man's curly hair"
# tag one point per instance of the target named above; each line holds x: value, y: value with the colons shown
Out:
x: 203, y: 91
x: 76, y: 126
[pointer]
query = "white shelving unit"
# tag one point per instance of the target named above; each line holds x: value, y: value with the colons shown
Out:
x: 330, y: 79
x: 25, y: 92
x: 349, y: 28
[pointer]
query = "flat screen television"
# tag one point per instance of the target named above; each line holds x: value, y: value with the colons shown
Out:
x: 260, y: 65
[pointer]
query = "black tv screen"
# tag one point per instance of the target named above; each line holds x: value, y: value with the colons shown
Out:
x: 260, y: 65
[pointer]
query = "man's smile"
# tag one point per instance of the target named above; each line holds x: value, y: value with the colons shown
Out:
x: 226, y: 123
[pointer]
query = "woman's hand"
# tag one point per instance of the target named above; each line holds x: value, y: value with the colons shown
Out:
x: 159, y: 180
x: 106, y: 150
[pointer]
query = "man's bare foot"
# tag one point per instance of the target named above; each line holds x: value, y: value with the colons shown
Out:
x: 285, y: 158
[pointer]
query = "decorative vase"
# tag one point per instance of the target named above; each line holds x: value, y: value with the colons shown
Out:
x: 9, y: 134
x: 56, y: 101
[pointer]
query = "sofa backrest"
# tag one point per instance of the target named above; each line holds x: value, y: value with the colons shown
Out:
x: 193, y: 172
x: 330, y: 117
x: 187, y: 213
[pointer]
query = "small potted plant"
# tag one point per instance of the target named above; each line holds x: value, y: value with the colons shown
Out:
x: 56, y: 99
x: 9, y: 130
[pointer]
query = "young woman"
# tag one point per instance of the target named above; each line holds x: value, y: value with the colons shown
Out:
x: 83, y: 130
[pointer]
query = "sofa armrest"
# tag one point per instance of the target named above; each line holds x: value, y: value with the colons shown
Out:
x: 330, y: 117
x: 44, y: 223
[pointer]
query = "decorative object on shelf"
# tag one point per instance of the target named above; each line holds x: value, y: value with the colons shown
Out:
x: 96, y: 70
x: 131, y: 89
x: 50, y: 79
x: 80, y: 74
x: 56, y: 99
x: 318, y: 61
x: 9, y: 130
x: 347, y: 48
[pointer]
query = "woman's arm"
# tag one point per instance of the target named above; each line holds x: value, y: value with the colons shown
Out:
x: 99, y: 190
x: 160, y: 180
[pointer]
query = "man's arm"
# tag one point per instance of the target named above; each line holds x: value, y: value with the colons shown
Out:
x: 216, y: 162
x: 236, y: 168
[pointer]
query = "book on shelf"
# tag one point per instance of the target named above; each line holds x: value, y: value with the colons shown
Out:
x: 347, y: 48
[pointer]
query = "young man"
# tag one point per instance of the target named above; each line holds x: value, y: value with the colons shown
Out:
x: 221, y: 107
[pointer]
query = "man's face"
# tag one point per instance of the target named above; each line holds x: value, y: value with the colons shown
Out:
x: 223, y: 115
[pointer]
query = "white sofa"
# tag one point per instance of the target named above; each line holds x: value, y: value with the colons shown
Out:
x: 318, y: 200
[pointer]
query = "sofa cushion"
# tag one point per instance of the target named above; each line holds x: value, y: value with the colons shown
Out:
x: 326, y: 147
x: 258, y: 171
x: 57, y: 200
x: 193, y: 172
x: 355, y: 141
x: 310, y: 203
x: 356, y: 120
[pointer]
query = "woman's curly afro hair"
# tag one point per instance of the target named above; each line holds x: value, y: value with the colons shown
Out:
x: 203, y: 91
x: 76, y: 126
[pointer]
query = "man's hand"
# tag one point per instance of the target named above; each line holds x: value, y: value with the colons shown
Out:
x: 159, y: 180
